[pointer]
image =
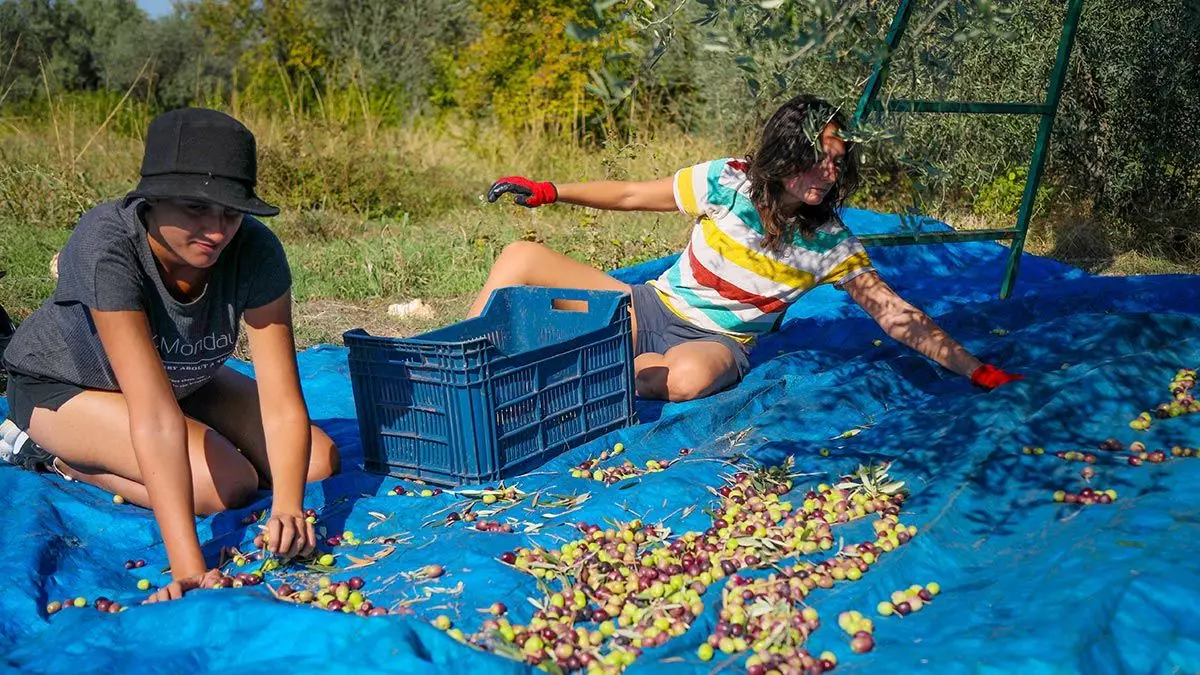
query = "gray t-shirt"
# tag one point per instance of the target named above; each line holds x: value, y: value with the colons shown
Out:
x: 107, y: 265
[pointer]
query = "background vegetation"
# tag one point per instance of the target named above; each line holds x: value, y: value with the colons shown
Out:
x: 382, y: 122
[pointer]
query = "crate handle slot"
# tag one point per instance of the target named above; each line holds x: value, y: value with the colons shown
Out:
x: 570, y: 305
x: 600, y: 303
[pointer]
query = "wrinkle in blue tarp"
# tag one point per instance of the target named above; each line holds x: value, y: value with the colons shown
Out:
x: 1029, y: 586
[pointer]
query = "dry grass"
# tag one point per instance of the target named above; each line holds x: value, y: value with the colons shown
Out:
x: 1075, y: 237
x: 378, y: 217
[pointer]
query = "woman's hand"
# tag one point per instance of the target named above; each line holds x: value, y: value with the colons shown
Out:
x: 290, y: 535
x: 526, y: 192
x: 989, y: 377
x: 177, y: 588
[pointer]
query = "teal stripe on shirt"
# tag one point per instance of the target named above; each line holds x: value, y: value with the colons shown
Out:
x: 722, y: 317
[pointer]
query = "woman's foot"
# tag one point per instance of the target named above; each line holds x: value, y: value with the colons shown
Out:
x: 18, y: 449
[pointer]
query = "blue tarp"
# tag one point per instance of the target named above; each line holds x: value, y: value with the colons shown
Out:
x: 1028, y: 585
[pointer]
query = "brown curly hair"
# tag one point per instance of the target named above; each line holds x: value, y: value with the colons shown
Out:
x: 790, y: 144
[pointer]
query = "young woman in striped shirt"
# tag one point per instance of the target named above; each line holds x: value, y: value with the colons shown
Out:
x: 766, y: 232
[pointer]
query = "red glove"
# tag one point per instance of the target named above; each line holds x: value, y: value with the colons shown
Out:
x: 989, y: 377
x: 528, y: 193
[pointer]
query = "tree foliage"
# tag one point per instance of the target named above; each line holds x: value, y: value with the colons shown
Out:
x: 392, y: 46
x: 1127, y: 138
x: 538, y: 63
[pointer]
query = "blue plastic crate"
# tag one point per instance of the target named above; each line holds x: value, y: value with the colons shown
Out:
x: 496, y: 395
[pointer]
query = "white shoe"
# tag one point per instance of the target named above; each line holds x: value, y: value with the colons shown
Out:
x: 18, y: 449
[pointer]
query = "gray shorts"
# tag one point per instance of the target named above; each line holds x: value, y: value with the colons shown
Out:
x: 659, y: 329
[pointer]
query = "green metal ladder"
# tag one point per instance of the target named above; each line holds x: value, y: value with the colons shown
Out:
x: 868, y: 104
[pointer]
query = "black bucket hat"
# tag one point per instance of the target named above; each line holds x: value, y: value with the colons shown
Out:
x: 201, y: 154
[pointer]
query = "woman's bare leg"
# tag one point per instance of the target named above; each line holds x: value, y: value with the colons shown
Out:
x: 524, y: 263
x: 89, y: 435
x: 229, y: 403
x: 687, y: 371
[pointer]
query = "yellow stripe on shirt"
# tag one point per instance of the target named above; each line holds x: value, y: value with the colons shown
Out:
x: 687, y: 191
x: 753, y: 261
x: 854, y: 262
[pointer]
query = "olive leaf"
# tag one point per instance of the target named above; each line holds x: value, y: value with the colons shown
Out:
x: 871, y: 480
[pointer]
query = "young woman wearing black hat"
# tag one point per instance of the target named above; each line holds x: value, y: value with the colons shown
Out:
x: 119, y: 381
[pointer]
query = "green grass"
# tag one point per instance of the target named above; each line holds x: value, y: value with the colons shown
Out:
x: 408, y: 257
x: 25, y: 252
x: 375, y: 218
x: 367, y: 219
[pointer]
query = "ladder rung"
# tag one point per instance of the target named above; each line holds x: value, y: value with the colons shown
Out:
x: 901, y: 238
x: 907, y: 105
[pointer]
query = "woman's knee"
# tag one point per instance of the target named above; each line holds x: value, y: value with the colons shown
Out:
x: 674, y: 380
x: 518, y: 257
x: 522, y: 251
x: 687, y: 382
x: 688, y: 379
x: 324, y: 459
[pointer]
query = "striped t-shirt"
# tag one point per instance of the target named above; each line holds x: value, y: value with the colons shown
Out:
x: 726, y: 280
